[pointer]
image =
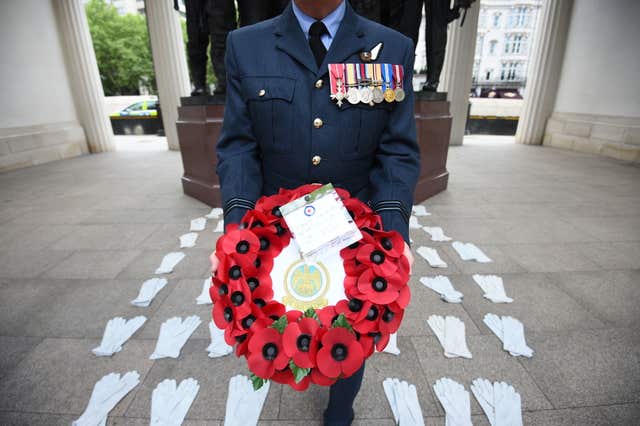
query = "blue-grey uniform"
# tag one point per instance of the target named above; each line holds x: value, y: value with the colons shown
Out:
x: 282, y: 130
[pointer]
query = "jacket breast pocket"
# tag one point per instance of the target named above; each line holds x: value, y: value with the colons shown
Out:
x: 269, y: 99
x: 363, y: 124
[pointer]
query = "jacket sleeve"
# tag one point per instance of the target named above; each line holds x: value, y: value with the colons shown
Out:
x: 239, y: 166
x: 397, y: 161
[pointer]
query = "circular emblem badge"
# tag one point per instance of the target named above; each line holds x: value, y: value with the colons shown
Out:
x: 306, y: 285
x: 309, y: 210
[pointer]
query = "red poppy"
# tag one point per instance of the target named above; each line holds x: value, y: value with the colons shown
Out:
x: 369, y: 323
x: 350, y: 252
x: 390, y: 242
x: 239, y: 295
x: 320, y: 379
x: 341, y: 354
x: 367, y: 343
x: 255, y: 219
x: 270, y: 242
x: 218, y: 289
x: 405, y: 296
x: 299, y: 342
x: 272, y: 309
x: 230, y: 270
x: 304, y: 190
x: 380, y: 289
x: 293, y: 316
x: 343, y: 193
x: 390, y: 319
x: 327, y: 315
x: 376, y: 259
x: 369, y: 221
x: 261, y: 288
x: 286, y: 377
x: 355, y: 310
x: 270, y: 206
x: 266, y: 353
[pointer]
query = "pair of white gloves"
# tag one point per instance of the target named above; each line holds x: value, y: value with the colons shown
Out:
x: 205, y: 298
x: 174, y: 333
x: 499, y: 401
x: 403, y: 399
x: 218, y: 346
x: 418, y: 210
x: 107, y: 392
x: 469, y: 251
x: 511, y: 332
x: 450, y: 332
x: 243, y: 403
x: 431, y: 256
x: 214, y: 213
x: 198, y: 224
x: 493, y: 288
x: 171, y: 402
x: 148, y: 291
x: 116, y: 333
x: 188, y: 240
x: 437, y: 234
x: 169, y: 261
x: 442, y: 285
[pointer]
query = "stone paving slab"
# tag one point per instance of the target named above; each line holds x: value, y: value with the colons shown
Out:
x: 537, y: 302
x: 29, y: 263
x: 613, y: 255
x: 13, y: 350
x: 59, y: 374
x: 105, y: 237
x: 618, y: 415
x: 548, y: 257
x: 195, y: 265
x: 502, y: 262
x: 613, y: 296
x: 92, y: 264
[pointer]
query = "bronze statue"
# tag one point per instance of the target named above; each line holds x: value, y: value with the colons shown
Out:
x: 405, y: 16
x: 208, y: 23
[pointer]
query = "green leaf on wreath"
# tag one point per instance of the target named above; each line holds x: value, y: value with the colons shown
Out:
x: 280, y: 324
x: 298, y: 372
x: 257, y: 382
x: 341, y: 321
x: 311, y: 313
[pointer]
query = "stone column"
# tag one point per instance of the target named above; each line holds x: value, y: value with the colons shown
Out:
x: 169, y: 63
x: 543, y: 74
x: 457, y: 70
x: 84, y: 75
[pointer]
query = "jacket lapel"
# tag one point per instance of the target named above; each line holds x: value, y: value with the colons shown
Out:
x: 348, y: 40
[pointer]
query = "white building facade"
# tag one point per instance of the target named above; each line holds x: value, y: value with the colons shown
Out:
x: 503, y: 46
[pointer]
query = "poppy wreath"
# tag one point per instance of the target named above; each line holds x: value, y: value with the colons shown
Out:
x: 318, y: 345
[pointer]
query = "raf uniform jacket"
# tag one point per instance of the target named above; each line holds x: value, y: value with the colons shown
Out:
x: 282, y: 130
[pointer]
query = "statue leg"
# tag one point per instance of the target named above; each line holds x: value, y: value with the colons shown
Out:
x: 437, y: 12
x: 342, y: 393
x: 370, y: 9
x: 277, y: 6
x: 404, y: 16
x: 222, y: 19
x: 197, y: 42
x: 253, y: 11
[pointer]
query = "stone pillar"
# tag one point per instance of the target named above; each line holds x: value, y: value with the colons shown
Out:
x: 169, y: 63
x: 543, y: 74
x: 457, y: 70
x: 84, y: 75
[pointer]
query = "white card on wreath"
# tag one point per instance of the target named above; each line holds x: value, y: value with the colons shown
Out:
x: 319, y: 223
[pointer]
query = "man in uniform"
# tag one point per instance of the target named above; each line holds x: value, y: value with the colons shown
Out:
x: 282, y: 129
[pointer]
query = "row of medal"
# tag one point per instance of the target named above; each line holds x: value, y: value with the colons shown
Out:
x: 366, y: 83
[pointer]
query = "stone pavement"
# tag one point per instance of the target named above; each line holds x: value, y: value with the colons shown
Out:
x: 79, y: 236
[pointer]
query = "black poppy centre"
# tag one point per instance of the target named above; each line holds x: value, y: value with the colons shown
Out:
x: 303, y: 342
x: 339, y: 352
x: 270, y: 351
x: 235, y: 272
x: 237, y: 298
x: 377, y: 257
x: 379, y: 284
x: 386, y: 243
x: 242, y: 247
x: 253, y: 283
x: 264, y: 243
x: 355, y: 305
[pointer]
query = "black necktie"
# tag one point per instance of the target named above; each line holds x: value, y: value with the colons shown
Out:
x: 316, y: 31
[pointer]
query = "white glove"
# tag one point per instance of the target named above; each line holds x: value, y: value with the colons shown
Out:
x: 174, y: 333
x: 243, y: 403
x: 170, y: 403
x: 218, y: 346
x: 493, y: 288
x: 419, y: 210
x: 205, y: 297
x: 116, y: 333
x: 442, y: 285
x: 431, y: 255
x: 499, y: 401
x: 392, y: 346
x: 437, y: 234
x: 188, y: 240
x: 403, y: 399
x: 455, y: 400
x: 107, y: 392
x: 169, y: 261
x: 413, y: 223
x: 510, y: 331
x: 198, y: 224
x: 149, y: 289
x: 469, y: 251
x: 214, y: 214
x: 219, y: 226
x: 450, y: 332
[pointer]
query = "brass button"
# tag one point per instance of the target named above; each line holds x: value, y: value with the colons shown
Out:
x: 319, y: 84
x: 262, y: 92
x: 317, y: 123
x: 316, y: 160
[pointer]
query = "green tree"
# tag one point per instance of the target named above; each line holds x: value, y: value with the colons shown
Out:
x: 122, y: 49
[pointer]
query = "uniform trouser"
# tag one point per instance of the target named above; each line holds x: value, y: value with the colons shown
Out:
x: 339, y: 412
x: 437, y: 14
x: 197, y: 40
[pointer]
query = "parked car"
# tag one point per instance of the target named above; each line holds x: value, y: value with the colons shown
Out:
x: 139, y: 118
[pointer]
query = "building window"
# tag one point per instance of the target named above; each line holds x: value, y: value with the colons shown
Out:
x: 479, y: 44
x: 515, y: 43
x: 488, y: 75
x: 492, y: 47
x: 509, y: 71
x: 519, y: 17
x: 496, y: 20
